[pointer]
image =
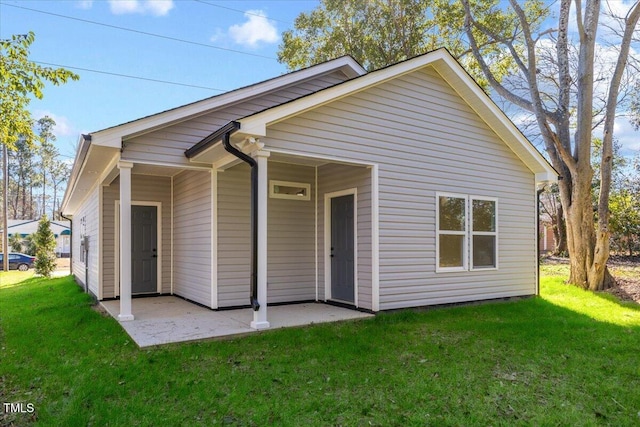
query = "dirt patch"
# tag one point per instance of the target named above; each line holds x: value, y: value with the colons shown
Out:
x: 626, y: 271
x: 626, y: 289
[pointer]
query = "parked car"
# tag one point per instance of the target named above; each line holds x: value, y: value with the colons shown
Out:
x: 18, y: 261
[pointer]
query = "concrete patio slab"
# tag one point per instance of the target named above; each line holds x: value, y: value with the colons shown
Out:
x: 167, y: 319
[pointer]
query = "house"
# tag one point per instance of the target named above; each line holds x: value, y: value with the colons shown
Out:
x: 547, y: 238
x: 397, y: 188
x: 61, y: 230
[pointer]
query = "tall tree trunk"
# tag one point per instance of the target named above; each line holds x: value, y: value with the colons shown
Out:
x: 5, y: 208
x: 44, y: 193
x: 560, y: 233
x: 53, y: 203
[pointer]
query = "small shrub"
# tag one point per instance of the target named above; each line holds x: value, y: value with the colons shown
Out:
x: 45, y: 248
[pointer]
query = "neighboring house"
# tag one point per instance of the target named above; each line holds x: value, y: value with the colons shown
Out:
x: 547, y: 239
x: 61, y: 230
x: 398, y: 188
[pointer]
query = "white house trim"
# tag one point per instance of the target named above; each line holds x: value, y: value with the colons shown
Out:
x: 214, y: 238
x: 317, y: 254
x: 496, y: 233
x: 125, y: 241
x: 260, y: 316
x: 375, y: 239
x: 328, y: 159
x: 172, y: 209
x: 327, y: 241
x: 464, y: 233
x: 100, y: 240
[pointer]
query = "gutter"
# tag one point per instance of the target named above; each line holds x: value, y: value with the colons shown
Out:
x: 224, y: 134
x: 71, y: 242
x: 538, y: 193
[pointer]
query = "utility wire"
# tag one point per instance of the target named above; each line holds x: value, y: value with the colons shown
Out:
x: 244, y: 12
x: 130, y: 77
x: 160, y: 36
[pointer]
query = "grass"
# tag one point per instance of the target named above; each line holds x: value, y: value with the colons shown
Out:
x: 566, y: 358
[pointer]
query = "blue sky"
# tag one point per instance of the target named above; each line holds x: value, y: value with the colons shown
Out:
x: 250, y: 30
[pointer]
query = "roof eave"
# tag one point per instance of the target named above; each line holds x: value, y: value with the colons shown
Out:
x: 84, y: 142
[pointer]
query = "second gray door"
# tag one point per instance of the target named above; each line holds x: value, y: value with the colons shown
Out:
x: 144, y: 249
x: 342, y: 249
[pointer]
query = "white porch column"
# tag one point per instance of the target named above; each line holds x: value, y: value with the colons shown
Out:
x: 260, y: 316
x: 125, y: 241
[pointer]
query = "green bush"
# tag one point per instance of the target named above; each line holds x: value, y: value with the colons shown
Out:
x: 45, y: 243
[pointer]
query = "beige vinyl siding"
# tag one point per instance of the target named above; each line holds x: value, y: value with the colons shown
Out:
x: 290, y: 238
x: 336, y: 177
x: 425, y: 139
x: 234, y: 236
x: 90, y: 212
x: 144, y: 188
x: 168, y: 145
x: 192, y: 236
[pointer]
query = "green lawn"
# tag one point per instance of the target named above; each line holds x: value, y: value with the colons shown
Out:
x: 567, y: 358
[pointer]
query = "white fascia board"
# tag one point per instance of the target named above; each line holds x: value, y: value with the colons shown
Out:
x: 546, y: 177
x: 112, y: 137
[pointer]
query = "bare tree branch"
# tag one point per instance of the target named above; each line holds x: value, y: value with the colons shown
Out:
x: 502, y: 91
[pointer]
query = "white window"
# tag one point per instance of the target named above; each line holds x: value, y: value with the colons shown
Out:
x: 452, y: 232
x: 467, y: 236
x: 484, y: 235
x: 289, y: 190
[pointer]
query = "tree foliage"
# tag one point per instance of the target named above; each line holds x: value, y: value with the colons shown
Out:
x: 625, y: 219
x: 20, y: 79
x: 36, y: 174
x: 15, y: 243
x: 45, y: 243
x: 378, y: 33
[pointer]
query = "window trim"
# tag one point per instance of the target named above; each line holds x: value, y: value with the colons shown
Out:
x: 482, y: 233
x: 468, y: 233
x: 465, y: 233
x: 274, y: 195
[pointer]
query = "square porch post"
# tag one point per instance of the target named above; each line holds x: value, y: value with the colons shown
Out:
x: 260, y: 316
x: 125, y: 241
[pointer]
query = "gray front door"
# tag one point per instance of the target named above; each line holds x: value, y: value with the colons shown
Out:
x: 342, y: 249
x: 144, y: 249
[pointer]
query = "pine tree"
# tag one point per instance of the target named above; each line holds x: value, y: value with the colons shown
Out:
x: 15, y: 243
x: 45, y: 248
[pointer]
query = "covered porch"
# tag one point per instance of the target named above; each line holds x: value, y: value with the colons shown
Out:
x: 305, y: 249
x: 169, y: 319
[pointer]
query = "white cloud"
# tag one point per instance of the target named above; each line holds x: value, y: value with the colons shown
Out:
x: 218, y: 35
x: 85, y: 4
x: 153, y: 7
x: 63, y: 127
x: 255, y: 30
